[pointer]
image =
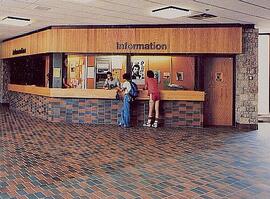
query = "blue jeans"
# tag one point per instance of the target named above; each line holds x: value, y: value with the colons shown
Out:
x: 125, y: 112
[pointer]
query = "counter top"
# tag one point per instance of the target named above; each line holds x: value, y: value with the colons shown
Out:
x: 103, y: 94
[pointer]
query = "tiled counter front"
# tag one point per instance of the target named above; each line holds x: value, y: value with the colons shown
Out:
x: 105, y: 111
x: 95, y: 111
x: 34, y: 105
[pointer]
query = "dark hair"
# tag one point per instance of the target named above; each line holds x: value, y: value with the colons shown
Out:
x: 136, y: 66
x: 150, y: 74
x: 126, y: 76
x: 109, y: 73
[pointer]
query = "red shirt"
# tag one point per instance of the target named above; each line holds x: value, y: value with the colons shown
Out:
x: 152, y: 85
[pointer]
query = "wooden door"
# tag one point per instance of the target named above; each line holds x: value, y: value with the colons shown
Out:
x: 218, y: 85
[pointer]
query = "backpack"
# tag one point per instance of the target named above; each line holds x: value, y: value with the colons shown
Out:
x: 134, y: 90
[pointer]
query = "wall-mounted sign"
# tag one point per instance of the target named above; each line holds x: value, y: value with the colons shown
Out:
x: 19, y: 51
x: 219, y: 77
x: 179, y: 76
x: 157, y: 75
x: 140, y: 46
x: 90, y: 72
x: 56, y: 72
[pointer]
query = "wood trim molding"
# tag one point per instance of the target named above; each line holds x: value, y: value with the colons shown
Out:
x: 103, y: 94
x: 43, y: 91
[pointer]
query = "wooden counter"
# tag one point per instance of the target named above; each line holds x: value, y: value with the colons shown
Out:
x: 103, y: 94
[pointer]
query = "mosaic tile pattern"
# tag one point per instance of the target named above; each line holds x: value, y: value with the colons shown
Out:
x: 104, y: 111
x: 40, y: 159
x: 84, y: 111
x: 4, y: 81
x: 32, y: 104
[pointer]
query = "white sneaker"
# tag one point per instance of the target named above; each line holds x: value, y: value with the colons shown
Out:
x: 147, y: 125
x: 155, y: 124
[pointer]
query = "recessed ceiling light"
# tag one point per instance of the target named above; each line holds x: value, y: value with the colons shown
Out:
x: 170, y: 12
x: 15, y: 21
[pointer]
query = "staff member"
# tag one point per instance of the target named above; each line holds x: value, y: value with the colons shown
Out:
x: 111, y: 82
x: 64, y: 76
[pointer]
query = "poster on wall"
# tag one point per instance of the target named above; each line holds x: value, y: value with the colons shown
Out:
x: 90, y: 72
x: 219, y: 77
x: 56, y: 72
x: 137, y: 74
x: 116, y: 62
x: 72, y: 70
x: 180, y: 76
x: 157, y: 75
x: 116, y: 73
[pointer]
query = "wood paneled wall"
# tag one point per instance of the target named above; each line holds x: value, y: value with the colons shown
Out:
x: 220, y: 40
x: 187, y: 66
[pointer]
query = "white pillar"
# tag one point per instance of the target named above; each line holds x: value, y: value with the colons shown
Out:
x: 263, y: 75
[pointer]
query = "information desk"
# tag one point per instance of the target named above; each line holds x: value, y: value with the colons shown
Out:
x: 98, y: 106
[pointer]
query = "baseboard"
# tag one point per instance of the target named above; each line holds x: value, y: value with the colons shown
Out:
x: 247, y: 126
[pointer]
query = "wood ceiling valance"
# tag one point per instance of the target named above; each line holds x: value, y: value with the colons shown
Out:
x: 217, y: 40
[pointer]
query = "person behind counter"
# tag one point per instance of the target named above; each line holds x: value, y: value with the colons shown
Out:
x: 64, y: 75
x: 151, y: 85
x: 111, y: 82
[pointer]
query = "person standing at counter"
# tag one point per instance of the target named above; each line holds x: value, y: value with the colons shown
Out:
x: 111, y: 82
x: 125, y: 110
x: 151, y: 85
x: 64, y: 75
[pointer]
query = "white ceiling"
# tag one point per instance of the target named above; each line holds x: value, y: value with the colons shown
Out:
x: 119, y: 12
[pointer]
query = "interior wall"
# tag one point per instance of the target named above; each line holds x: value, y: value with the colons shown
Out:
x: 186, y: 65
x: 161, y: 64
x: 263, y: 74
x: 171, y: 65
x: 76, y: 70
x: 90, y: 66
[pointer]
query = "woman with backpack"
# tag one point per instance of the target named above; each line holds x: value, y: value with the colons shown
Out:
x: 125, y: 110
x: 151, y: 84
